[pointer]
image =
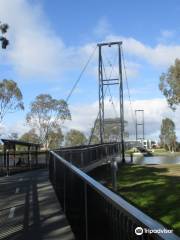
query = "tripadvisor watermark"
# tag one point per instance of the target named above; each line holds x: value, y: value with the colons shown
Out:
x: 140, y: 231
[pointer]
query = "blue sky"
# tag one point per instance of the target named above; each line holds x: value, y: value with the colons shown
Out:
x: 50, y: 41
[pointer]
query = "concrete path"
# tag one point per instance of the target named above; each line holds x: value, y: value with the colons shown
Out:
x: 29, y: 209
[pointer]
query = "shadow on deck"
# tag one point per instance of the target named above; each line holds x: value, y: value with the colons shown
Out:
x: 32, y: 212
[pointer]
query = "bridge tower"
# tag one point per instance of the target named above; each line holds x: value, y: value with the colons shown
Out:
x: 139, y: 124
x: 107, y: 82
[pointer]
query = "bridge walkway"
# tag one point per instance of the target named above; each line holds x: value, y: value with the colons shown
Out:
x: 29, y: 209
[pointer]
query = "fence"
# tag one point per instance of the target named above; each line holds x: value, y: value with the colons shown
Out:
x: 83, y: 156
x: 95, y: 212
x: 20, y: 161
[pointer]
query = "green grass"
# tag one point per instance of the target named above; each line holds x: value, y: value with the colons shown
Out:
x: 155, y: 189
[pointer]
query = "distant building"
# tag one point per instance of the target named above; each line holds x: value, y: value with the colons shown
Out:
x: 148, y: 143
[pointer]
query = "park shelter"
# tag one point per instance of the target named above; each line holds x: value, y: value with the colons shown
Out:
x: 9, y: 148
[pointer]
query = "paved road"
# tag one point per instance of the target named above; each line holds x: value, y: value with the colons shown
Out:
x: 29, y: 209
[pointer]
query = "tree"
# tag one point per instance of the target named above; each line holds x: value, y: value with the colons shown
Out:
x: 170, y: 84
x: 168, y: 135
x: 56, y: 138
x: 13, y: 135
x: 45, y: 115
x: 75, y: 138
x: 30, y: 136
x: 3, y: 28
x: 10, y: 98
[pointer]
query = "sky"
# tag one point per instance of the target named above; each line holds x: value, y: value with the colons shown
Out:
x: 51, y: 41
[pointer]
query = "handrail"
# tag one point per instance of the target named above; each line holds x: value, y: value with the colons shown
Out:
x: 117, y: 201
x: 85, y: 148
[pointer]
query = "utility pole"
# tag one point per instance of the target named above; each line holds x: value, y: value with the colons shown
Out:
x: 108, y: 82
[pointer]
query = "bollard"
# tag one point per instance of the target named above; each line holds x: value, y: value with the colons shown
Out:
x: 114, y: 168
x: 131, y: 156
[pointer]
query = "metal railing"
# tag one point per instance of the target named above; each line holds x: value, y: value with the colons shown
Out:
x: 11, y: 162
x: 83, y: 156
x: 95, y: 212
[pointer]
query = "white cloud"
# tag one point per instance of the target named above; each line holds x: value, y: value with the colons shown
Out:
x: 18, y: 127
x: 167, y: 33
x: 102, y: 28
x: 35, y: 49
x: 161, y: 55
x: 83, y: 116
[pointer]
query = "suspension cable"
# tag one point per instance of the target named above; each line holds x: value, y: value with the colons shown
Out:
x: 80, y: 75
x: 127, y: 85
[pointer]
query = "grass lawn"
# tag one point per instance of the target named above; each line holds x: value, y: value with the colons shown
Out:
x: 155, y: 189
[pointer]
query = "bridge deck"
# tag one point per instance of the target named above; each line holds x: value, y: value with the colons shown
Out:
x: 30, y: 210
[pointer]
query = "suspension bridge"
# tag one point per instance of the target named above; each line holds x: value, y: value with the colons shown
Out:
x: 59, y: 199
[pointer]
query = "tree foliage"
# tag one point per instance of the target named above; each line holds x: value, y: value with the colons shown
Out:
x: 45, y: 115
x: 56, y: 138
x: 168, y: 135
x: 3, y: 28
x: 170, y: 84
x: 10, y: 98
x: 75, y: 138
x: 30, y: 136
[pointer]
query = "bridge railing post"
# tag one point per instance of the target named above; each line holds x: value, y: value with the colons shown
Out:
x: 64, y: 189
x: 82, y: 158
x: 85, y: 211
x: 54, y: 172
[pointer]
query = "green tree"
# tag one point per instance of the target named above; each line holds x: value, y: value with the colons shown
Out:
x: 75, y: 138
x: 10, y: 98
x: 168, y: 135
x: 56, y: 138
x: 170, y: 84
x: 3, y: 28
x: 30, y: 136
x: 45, y: 115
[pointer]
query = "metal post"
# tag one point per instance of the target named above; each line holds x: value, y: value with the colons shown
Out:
x: 54, y: 172
x: 82, y: 158
x: 140, y: 123
x: 101, y: 97
x: 14, y: 154
x: 86, y: 212
x: 28, y: 157
x: 4, y: 163
x: 114, y: 168
x: 7, y: 162
x: 64, y: 190
x: 36, y: 155
x: 131, y: 156
x: 121, y: 97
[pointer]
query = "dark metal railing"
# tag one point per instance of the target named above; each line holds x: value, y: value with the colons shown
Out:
x: 95, y: 212
x: 12, y: 162
x: 85, y: 155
